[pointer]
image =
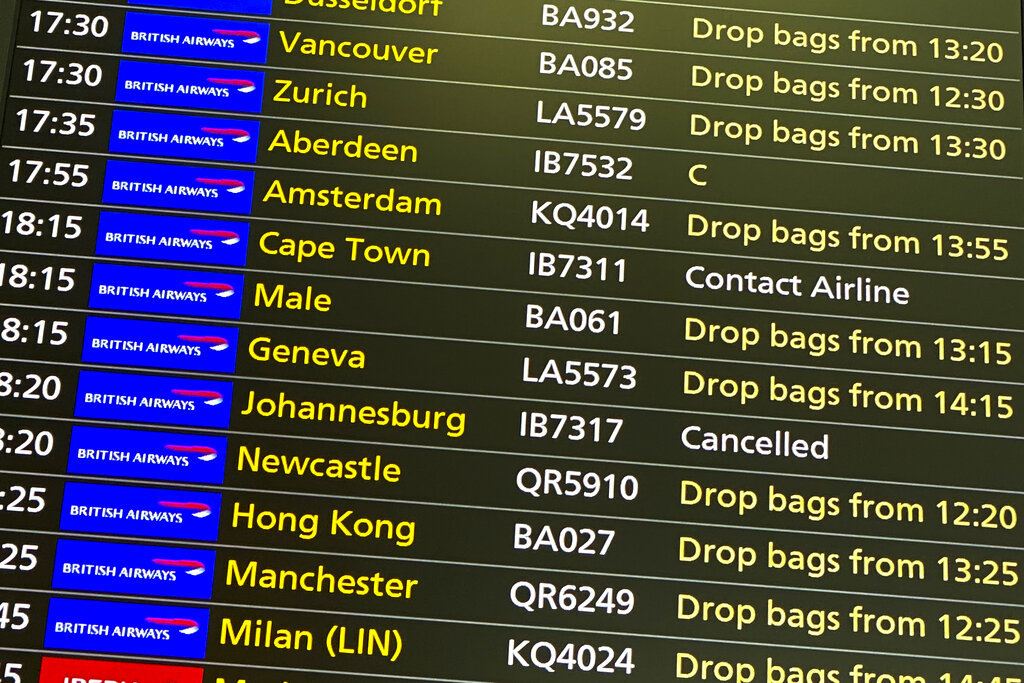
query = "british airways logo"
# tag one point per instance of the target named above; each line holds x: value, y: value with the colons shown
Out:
x: 172, y: 238
x: 210, y: 398
x: 221, y: 289
x: 182, y: 136
x: 197, y: 510
x: 153, y: 290
x: 203, y: 453
x: 226, y: 237
x: 234, y: 134
x: 127, y: 628
x: 194, y: 87
x: 125, y: 510
x: 147, y: 455
x: 190, y: 567
x: 148, y: 398
x: 247, y: 37
x: 195, y: 37
x: 147, y: 343
x: 133, y: 569
x: 211, y: 342
x: 184, y: 626
x: 231, y: 185
x: 178, y: 187
x: 243, y: 85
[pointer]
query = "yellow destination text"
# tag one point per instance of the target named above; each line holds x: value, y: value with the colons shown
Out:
x: 327, y: 95
x: 264, y: 350
x: 357, y: 248
x: 306, y: 526
x: 364, y: 469
x: 389, y: 201
x: 293, y: 300
x: 294, y: 142
x: 394, y: 415
x: 319, y: 581
x: 423, y: 8
x: 346, y: 49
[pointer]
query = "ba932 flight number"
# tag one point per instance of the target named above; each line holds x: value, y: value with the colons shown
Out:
x: 587, y: 18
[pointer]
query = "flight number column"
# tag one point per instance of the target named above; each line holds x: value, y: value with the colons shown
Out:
x: 793, y: 507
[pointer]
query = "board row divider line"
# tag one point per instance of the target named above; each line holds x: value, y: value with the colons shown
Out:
x: 697, y: 359
x: 531, y: 511
x: 408, y: 677
x: 562, y: 41
x: 492, y: 624
x: 505, y: 290
x: 533, y: 240
x: 524, y: 454
x: 668, y: 200
x: 121, y: 56
x: 561, y: 141
x: 501, y: 186
x: 607, y: 407
x: 218, y: 546
x: 271, y: 117
x: 649, y: 2
x: 666, y: 150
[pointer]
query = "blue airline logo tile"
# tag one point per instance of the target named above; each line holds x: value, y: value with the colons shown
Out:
x: 178, y: 187
x: 236, y: 6
x: 172, y: 238
x: 189, y: 137
x: 192, y: 87
x: 125, y: 628
x: 195, y: 38
x: 133, y: 569
x: 161, y: 290
x: 131, y: 511
x: 150, y: 344
x: 147, y: 398
x: 147, y: 455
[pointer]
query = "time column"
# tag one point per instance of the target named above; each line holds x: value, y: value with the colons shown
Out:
x: 40, y: 333
x: 37, y: 337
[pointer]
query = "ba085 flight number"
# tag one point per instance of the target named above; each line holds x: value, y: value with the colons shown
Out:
x: 586, y: 66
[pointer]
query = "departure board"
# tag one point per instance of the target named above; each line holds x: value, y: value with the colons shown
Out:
x: 509, y: 341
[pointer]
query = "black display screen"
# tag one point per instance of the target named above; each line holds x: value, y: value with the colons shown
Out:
x: 467, y: 341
